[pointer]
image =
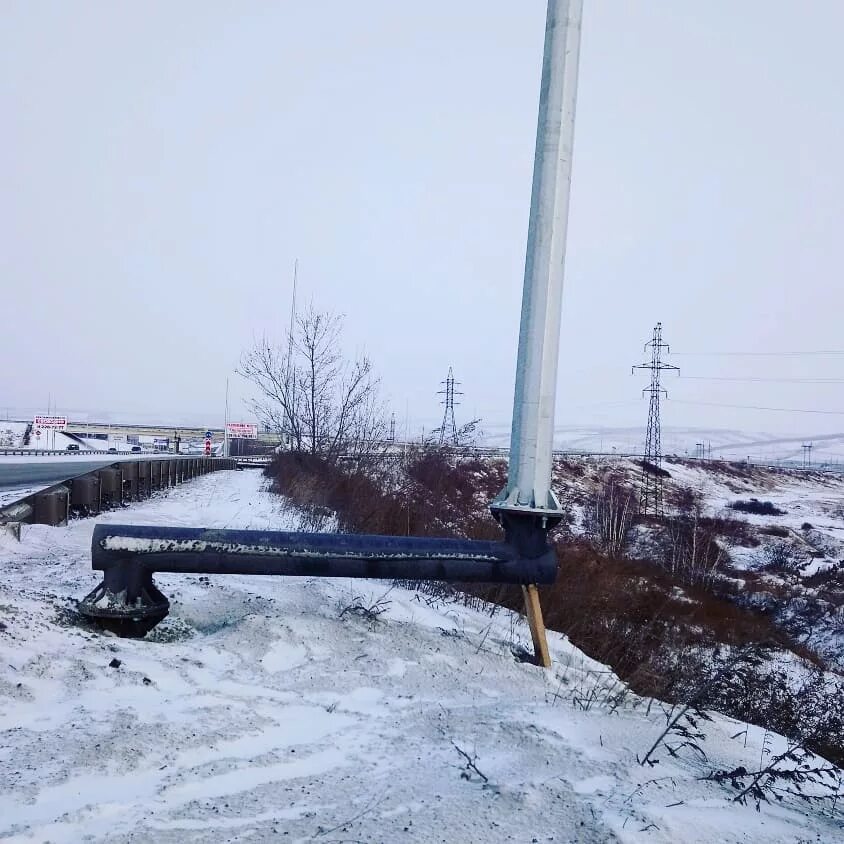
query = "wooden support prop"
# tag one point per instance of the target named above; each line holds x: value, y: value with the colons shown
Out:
x: 537, y: 625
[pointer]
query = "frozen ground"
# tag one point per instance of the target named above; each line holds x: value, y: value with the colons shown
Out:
x: 256, y: 712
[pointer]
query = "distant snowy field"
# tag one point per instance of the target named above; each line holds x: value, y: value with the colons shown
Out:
x: 256, y: 712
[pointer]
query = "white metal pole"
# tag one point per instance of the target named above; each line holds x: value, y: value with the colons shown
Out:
x: 531, y: 443
x: 290, y: 388
x: 226, y: 424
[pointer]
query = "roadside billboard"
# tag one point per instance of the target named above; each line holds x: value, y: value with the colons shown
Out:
x: 242, y: 430
x: 59, y: 422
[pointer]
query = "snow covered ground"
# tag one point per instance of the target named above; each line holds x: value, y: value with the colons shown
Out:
x: 11, y: 434
x: 257, y: 712
x: 725, y: 443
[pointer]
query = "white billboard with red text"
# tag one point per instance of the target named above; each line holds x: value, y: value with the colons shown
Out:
x: 59, y: 422
x: 242, y: 430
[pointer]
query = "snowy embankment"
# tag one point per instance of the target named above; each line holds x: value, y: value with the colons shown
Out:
x: 258, y: 708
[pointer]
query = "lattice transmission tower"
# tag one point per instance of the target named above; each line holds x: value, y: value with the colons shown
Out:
x: 650, y: 498
x: 448, y: 429
x: 807, y: 455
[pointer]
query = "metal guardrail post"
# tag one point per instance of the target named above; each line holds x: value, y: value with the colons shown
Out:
x: 85, y: 495
x: 144, y: 479
x: 51, y: 507
x: 111, y: 487
x: 130, y: 480
x: 155, y: 474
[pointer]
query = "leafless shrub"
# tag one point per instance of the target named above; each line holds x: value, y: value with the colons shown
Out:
x: 658, y: 626
x: 690, y: 549
x: 610, y: 514
x: 731, y: 531
x: 782, y: 557
x: 602, y: 690
x: 786, y: 774
x: 653, y: 469
x: 471, y: 766
x: 682, y: 730
x: 466, y: 435
x: 683, y: 721
x: 756, y: 507
x: 370, y: 612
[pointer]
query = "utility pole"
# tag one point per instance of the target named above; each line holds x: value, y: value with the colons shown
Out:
x: 393, y: 427
x: 650, y: 497
x: 226, y: 424
x: 527, y: 502
x: 290, y: 385
x: 448, y: 429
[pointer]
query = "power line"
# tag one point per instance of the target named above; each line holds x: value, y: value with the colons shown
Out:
x: 762, y: 354
x: 760, y: 379
x: 758, y: 407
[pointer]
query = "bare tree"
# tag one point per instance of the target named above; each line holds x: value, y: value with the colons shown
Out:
x: 322, y: 402
x: 468, y: 435
x: 690, y: 547
x: 609, y: 516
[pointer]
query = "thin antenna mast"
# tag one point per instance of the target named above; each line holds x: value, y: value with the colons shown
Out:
x: 226, y: 424
x: 290, y: 389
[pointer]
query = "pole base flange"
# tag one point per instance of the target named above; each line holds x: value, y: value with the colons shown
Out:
x: 128, y: 619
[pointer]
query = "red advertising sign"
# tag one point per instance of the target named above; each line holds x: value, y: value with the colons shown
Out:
x: 59, y: 422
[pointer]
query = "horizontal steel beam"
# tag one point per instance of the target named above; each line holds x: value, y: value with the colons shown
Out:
x: 208, y: 551
x: 128, y: 603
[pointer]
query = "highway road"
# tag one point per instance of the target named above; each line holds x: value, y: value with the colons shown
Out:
x: 43, y: 474
x: 21, y: 476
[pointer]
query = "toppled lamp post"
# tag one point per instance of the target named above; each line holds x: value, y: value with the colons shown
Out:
x: 128, y: 602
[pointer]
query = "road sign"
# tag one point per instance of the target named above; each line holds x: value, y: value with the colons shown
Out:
x: 242, y: 430
x: 207, y: 447
x: 59, y: 422
x: 207, y: 435
x: 37, y: 432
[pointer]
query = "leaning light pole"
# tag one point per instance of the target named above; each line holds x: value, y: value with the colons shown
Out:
x: 528, y: 495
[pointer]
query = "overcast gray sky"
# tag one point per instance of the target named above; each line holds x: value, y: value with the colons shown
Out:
x: 162, y: 165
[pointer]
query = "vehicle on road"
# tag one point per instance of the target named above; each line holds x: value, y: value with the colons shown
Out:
x: 136, y: 449
x: 112, y: 450
x: 72, y: 447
